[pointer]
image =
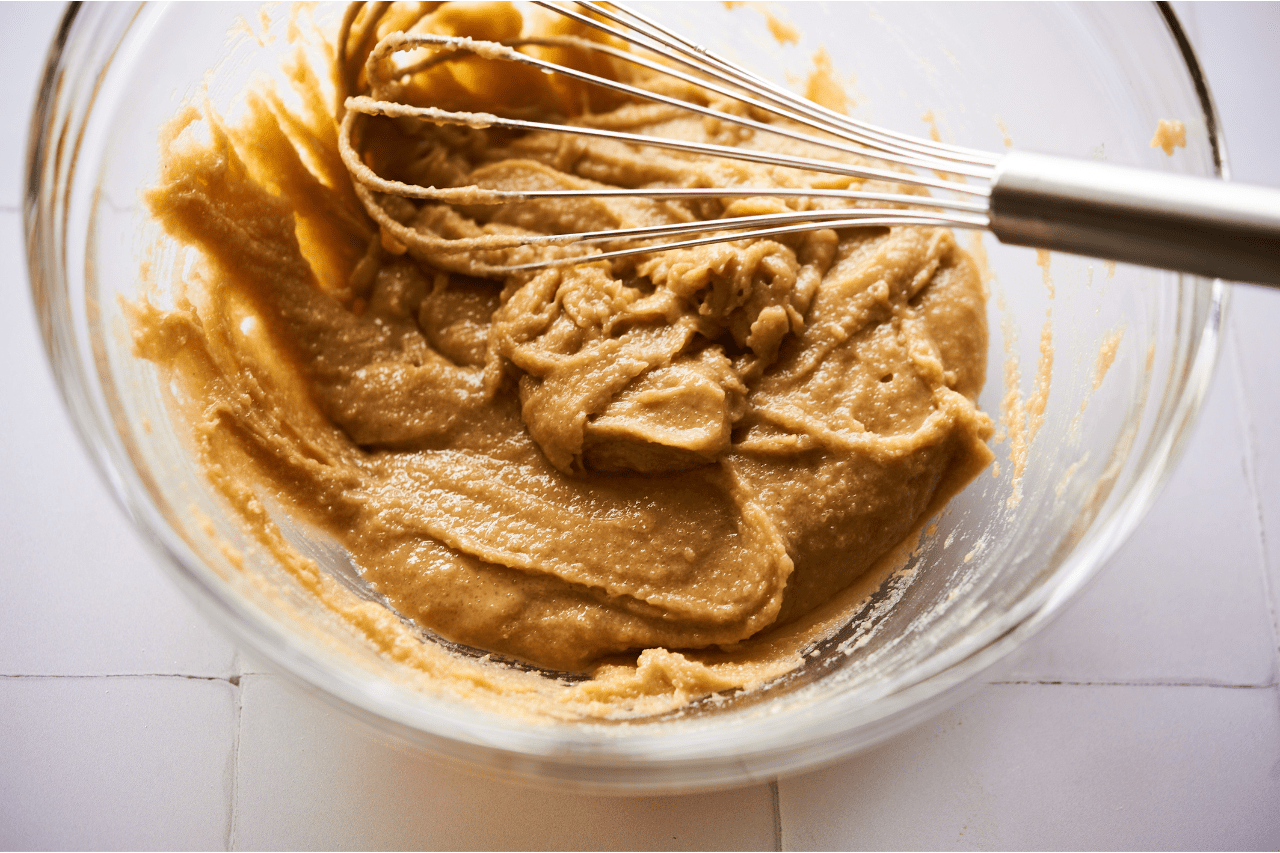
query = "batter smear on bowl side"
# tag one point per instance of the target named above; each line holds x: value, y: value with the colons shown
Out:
x: 658, y: 470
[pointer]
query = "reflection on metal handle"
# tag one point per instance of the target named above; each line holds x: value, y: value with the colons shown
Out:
x: 1195, y: 225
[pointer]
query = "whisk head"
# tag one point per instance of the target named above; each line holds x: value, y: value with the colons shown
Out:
x: 829, y: 171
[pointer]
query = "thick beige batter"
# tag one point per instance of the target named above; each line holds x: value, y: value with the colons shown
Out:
x: 677, y: 452
x: 1170, y: 134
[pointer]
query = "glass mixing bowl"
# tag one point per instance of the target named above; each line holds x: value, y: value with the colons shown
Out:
x: 1004, y: 557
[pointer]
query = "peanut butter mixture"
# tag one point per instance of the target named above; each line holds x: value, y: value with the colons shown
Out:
x: 658, y: 461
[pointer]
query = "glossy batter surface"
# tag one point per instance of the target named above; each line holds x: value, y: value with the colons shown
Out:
x: 679, y: 452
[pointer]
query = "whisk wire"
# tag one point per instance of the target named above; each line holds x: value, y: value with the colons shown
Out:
x: 740, y: 85
x: 369, y: 106
x: 785, y: 103
x: 884, y: 219
x: 954, y: 212
x: 448, y: 45
x: 1196, y: 225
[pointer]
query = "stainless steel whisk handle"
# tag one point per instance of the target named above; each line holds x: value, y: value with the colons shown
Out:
x: 1196, y: 225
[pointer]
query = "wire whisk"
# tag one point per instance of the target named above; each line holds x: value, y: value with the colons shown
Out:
x: 1193, y: 225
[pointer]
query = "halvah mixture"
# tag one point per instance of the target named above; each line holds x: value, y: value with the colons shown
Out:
x: 660, y: 471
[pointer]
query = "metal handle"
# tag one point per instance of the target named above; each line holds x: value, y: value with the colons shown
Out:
x: 1196, y: 225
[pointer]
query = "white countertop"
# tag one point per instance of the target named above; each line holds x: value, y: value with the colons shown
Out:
x: 1147, y: 715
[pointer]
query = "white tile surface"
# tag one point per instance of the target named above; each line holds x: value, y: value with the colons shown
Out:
x: 312, y: 778
x: 1256, y: 319
x: 1059, y: 767
x: 1145, y: 753
x: 1176, y: 605
x: 82, y: 595
x: 1231, y: 42
x: 115, y: 763
x: 28, y: 31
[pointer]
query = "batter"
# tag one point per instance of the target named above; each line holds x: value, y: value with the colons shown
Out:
x: 657, y: 471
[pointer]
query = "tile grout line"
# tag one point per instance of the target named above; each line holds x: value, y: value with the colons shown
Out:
x: 233, y: 811
x: 776, y: 796
x: 1209, y: 685
x: 235, y: 682
x: 1249, y: 462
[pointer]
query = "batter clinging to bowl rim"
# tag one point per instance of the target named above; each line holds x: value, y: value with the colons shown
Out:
x: 668, y: 458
